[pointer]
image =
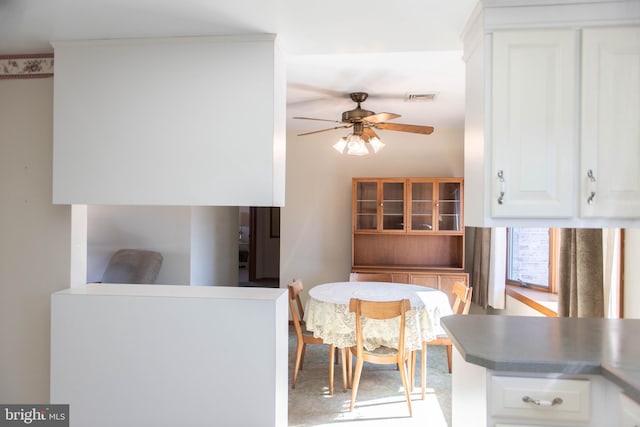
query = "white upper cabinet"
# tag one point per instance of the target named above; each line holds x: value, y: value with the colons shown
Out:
x: 552, y: 129
x: 532, y: 117
x: 610, y: 123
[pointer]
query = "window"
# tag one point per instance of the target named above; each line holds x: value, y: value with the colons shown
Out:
x: 531, y: 258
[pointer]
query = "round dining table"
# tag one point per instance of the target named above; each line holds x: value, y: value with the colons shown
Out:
x: 327, y: 314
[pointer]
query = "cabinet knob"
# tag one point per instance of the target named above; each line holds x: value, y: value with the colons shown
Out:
x: 592, y: 185
x: 546, y: 403
x: 501, y: 186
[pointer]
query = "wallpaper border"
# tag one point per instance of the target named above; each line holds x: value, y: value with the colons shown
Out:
x: 26, y: 66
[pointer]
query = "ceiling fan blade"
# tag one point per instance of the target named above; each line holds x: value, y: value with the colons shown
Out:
x: 425, y: 130
x: 381, y: 117
x: 370, y: 133
x: 320, y: 120
x: 324, y: 130
x: 319, y: 90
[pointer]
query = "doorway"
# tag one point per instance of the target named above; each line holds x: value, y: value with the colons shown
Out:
x: 259, y: 247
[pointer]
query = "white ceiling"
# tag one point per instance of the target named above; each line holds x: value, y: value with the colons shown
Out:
x: 333, y: 47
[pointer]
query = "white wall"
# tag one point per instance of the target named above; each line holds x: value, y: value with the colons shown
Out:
x: 632, y: 274
x: 513, y: 307
x: 35, y: 239
x: 179, y: 130
x: 214, y: 245
x: 188, y: 357
x: 315, y: 242
x: 166, y: 229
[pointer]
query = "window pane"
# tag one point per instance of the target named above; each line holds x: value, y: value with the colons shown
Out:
x: 528, y: 256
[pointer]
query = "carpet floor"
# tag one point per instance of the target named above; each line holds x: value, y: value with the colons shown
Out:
x: 380, y: 401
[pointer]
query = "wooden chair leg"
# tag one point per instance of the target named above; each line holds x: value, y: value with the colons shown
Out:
x: 405, y: 383
x: 423, y: 368
x: 304, y: 347
x: 331, y: 367
x: 449, y: 356
x: 411, y: 368
x: 356, y: 382
x: 344, y: 369
x: 296, y: 368
x: 349, y: 368
x: 412, y: 377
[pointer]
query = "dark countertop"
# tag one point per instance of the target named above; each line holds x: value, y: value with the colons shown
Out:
x: 607, y: 347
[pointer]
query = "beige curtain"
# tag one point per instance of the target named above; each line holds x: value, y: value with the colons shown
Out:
x: 580, y: 289
x: 480, y: 266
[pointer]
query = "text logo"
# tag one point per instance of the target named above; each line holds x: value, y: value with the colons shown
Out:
x: 34, y: 415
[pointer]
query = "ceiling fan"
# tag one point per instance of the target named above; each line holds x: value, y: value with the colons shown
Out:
x: 364, y: 121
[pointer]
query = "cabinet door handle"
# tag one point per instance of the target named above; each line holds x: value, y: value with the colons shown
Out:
x: 501, y: 185
x: 592, y: 185
x: 537, y: 402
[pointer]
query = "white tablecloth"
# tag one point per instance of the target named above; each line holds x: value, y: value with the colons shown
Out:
x: 327, y: 313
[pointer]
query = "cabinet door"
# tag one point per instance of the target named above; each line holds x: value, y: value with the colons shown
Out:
x: 421, y: 205
x: 533, y: 113
x: 400, y: 277
x: 610, y: 137
x: 449, y: 205
x: 365, y: 206
x: 429, y: 280
x: 629, y: 412
x: 392, y: 207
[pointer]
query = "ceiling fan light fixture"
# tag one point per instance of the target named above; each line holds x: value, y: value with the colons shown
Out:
x: 356, y: 146
x: 376, y: 144
x: 340, y: 145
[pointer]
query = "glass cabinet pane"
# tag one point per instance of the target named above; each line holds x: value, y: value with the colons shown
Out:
x: 422, y: 206
x: 366, y: 206
x: 393, y: 205
x: 449, y: 206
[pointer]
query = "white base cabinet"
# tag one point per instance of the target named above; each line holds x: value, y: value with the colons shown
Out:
x: 629, y: 412
x: 540, y: 398
x: 483, y: 397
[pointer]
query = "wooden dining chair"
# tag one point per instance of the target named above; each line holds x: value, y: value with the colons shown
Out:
x: 305, y: 337
x: 381, y: 355
x: 461, y: 305
x: 370, y: 277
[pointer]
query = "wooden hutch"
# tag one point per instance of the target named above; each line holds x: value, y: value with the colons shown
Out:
x: 412, y: 228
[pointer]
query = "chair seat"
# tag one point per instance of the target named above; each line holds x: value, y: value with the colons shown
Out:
x: 440, y: 339
x: 308, y: 336
x: 382, y: 351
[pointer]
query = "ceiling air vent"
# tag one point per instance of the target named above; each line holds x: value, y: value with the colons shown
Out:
x: 419, y: 97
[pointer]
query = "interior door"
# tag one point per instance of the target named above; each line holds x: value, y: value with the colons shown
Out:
x: 264, y: 246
